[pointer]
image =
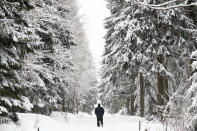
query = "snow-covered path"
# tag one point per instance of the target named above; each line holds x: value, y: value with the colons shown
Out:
x: 81, y: 122
x: 114, y: 123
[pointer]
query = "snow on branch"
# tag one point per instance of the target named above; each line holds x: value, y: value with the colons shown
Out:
x: 165, y: 5
x: 186, y: 29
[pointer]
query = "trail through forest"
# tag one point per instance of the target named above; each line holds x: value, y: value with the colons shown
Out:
x: 80, y: 122
x: 147, y: 67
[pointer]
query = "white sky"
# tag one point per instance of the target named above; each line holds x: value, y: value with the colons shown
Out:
x: 94, y: 12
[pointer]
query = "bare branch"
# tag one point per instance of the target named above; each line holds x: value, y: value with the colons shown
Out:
x: 163, y: 4
x: 166, y: 6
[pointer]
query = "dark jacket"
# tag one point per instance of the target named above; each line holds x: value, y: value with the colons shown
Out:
x: 99, y: 111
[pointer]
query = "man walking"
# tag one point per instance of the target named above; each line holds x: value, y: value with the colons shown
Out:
x: 99, y: 111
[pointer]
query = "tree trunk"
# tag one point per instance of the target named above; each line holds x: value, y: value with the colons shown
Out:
x: 166, y: 83
x: 166, y: 90
x: 68, y: 105
x: 161, y: 88
x: 128, y: 105
x: 132, y: 105
x: 74, y: 102
x: 141, y: 95
x: 191, y: 72
x: 77, y: 106
x: 63, y: 105
x: 160, y: 94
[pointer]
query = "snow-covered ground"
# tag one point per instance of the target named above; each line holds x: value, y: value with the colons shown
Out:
x: 80, y: 122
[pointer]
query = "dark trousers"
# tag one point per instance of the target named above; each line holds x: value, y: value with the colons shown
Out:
x: 99, y: 120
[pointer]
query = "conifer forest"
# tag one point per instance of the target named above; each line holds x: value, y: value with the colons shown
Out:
x: 148, y: 67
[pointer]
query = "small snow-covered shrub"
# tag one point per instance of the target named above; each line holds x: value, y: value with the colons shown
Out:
x: 3, y: 116
x: 123, y: 111
x: 14, y: 117
x: 174, y: 124
x: 4, y: 120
